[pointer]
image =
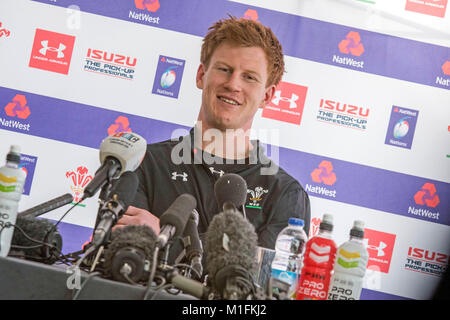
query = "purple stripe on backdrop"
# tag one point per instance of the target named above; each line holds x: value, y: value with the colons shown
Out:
x: 367, y: 294
x: 355, y: 184
x: 301, y: 37
x: 75, y: 123
x: 74, y: 236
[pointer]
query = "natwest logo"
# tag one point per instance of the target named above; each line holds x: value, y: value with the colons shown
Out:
x: 149, y: 5
x: 426, y: 261
x: 324, y: 174
x: 251, y: 15
x: 380, y: 246
x: 353, y: 46
x: 428, y: 199
x: 287, y: 103
x: 52, y: 51
x: 18, y: 107
x: 445, y: 70
x: 79, y: 178
x: 427, y: 195
x: 120, y: 125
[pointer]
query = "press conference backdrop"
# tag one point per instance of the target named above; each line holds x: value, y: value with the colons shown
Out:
x: 361, y: 117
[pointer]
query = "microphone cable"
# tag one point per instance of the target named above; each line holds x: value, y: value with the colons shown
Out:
x: 76, y: 293
x: 61, y: 258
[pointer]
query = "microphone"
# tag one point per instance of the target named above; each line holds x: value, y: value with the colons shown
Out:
x: 120, y: 198
x: 47, y: 206
x: 120, y: 152
x: 231, y: 246
x: 194, y: 251
x: 129, y: 255
x: 49, y: 244
x: 231, y: 192
x: 174, y: 219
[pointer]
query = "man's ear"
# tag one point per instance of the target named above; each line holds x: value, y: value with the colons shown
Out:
x: 200, y: 74
x: 268, y: 95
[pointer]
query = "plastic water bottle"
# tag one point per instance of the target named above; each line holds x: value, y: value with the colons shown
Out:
x: 289, y: 250
x: 350, y: 266
x: 12, y: 180
x: 318, y: 263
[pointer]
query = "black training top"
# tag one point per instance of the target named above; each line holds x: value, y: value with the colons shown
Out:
x: 173, y: 167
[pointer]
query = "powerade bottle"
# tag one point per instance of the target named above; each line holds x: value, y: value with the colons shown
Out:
x: 350, y: 266
x: 12, y: 180
x: 289, y: 250
x: 318, y: 263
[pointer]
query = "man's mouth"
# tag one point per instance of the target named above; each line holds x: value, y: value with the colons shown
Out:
x: 229, y: 101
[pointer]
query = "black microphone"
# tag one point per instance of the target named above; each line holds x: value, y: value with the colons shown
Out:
x: 231, y: 192
x: 47, y: 246
x: 231, y: 246
x: 174, y: 219
x: 112, y: 210
x: 47, y: 206
x: 128, y: 257
x: 194, y: 250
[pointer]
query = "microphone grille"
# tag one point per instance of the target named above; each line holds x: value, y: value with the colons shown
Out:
x: 230, y: 240
x: 231, y: 188
x: 139, y: 237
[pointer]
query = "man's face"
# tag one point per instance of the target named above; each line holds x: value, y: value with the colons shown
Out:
x: 234, y: 87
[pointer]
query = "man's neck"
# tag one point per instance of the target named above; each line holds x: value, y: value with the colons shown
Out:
x: 226, y: 144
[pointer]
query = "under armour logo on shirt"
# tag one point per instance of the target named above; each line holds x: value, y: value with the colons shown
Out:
x: 183, y: 175
x: 220, y: 172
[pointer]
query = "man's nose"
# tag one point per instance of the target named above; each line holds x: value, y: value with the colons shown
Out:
x: 233, y: 82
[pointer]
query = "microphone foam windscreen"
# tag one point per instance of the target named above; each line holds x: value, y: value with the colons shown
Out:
x: 230, y: 240
x: 232, y: 188
x: 126, y: 188
x: 179, y: 212
x: 36, y: 229
x: 140, y: 237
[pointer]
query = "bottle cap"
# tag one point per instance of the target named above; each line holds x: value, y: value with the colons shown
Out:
x: 327, y: 222
x: 296, y: 222
x: 358, y: 229
x: 14, y: 154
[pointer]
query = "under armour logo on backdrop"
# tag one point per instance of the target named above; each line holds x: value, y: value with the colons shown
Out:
x: 46, y: 48
x: 292, y: 100
x: 183, y: 175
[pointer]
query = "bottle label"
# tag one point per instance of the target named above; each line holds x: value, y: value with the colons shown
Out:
x: 314, y: 286
x: 7, y: 188
x: 347, y: 264
x: 345, y: 288
x: 288, y: 277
